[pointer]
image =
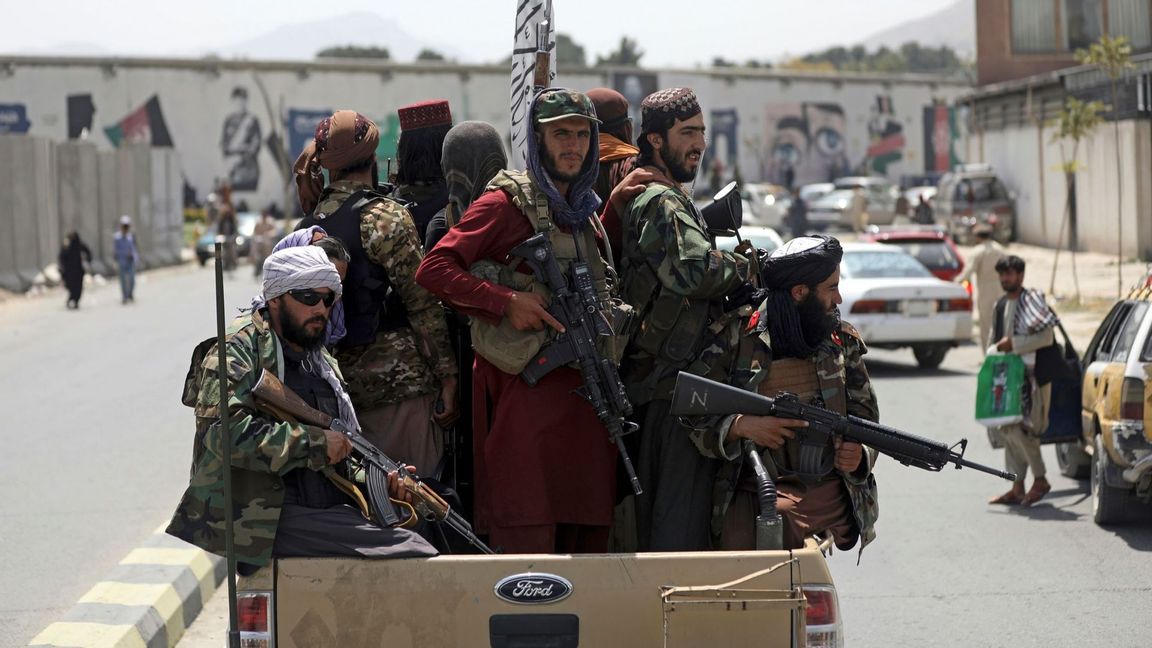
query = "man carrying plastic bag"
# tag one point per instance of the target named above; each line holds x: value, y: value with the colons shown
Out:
x: 1023, y: 323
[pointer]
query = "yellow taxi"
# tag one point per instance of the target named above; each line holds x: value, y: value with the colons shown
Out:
x: 1115, y: 448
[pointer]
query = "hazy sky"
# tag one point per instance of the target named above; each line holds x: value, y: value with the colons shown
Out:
x: 671, y: 32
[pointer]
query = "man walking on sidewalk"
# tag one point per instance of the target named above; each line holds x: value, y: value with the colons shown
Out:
x: 127, y: 258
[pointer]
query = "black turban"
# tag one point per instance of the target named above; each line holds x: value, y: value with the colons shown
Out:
x: 806, y: 260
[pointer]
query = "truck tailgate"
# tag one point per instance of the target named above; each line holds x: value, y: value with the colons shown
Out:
x: 672, y: 599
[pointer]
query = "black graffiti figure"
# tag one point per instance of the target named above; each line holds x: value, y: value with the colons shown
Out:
x: 240, y: 143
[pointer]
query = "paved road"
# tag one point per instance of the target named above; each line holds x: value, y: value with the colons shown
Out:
x: 96, y: 442
x: 949, y: 570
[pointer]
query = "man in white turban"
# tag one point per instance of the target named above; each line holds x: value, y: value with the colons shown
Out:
x: 285, y: 500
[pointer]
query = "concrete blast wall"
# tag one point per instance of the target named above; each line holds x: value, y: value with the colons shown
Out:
x: 50, y: 188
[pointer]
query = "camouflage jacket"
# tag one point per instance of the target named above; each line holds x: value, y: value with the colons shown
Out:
x: 675, y: 279
x: 265, y: 449
x: 407, y: 361
x: 845, y: 387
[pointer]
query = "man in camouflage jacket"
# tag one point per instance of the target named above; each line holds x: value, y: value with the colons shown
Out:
x: 396, y: 355
x: 796, y: 343
x: 282, y: 503
x: 676, y: 280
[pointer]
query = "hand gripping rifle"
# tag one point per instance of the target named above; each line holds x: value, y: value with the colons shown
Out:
x: 696, y: 396
x: 578, y: 308
x: 276, y: 398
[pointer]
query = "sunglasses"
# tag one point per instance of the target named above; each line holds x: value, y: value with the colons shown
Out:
x: 312, y: 297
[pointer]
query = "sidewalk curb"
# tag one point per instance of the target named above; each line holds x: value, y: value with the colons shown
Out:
x: 149, y: 600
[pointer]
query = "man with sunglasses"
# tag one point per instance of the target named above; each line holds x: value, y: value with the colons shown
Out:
x: 285, y: 504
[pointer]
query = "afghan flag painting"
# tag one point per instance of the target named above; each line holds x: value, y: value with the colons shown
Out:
x: 941, y: 131
x: 145, y: 124
x: 885, y: 136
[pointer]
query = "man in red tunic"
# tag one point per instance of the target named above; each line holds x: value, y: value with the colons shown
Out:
x: 545, y: 468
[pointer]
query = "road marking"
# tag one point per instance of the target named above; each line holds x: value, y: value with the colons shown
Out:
x: 75, y: 634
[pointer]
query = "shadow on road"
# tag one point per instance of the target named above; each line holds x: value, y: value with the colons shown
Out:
x: 1137, y: 535
x: 888, y: 369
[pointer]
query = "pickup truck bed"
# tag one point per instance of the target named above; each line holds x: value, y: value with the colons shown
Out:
x: 652, y: 599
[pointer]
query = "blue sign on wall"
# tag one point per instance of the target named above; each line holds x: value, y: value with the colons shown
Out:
x: 14, y: 118
x: 301, y: 128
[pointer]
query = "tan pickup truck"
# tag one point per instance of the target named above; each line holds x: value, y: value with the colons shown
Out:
x: 761, y: 598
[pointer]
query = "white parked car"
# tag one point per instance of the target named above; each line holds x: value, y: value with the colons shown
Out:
x: 761, y: 237
x: 895, y: 302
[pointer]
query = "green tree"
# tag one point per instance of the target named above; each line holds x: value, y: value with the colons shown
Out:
x: 1076, y: 121
x: 427, y: 54
x: 721, y: 62
x: 627, y: 54
x: 1114, y: 57
x: 569, y: 53
x: 354, y: 51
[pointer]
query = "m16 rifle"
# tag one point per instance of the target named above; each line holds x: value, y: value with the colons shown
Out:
x: 275, y: 398
x: 577, y: 307
x: 696, y: 396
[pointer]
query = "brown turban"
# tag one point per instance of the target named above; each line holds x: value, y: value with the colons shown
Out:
x: 343, y: 140
x: 612, y: 109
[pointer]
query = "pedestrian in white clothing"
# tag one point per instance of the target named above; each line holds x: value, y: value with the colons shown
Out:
x: 982, y: 263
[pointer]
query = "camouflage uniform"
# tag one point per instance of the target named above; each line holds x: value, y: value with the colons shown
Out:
x: 676, y: 281
x: 265, y: 450
x: 843, y: 386
x: 407, y: 361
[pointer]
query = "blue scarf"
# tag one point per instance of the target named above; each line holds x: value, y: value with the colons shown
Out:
x: 583, y: 202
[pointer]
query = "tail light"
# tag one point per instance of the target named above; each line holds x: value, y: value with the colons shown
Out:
x: 955, y: 305
x: 1132, y: 400
x: 967, y: 286
x: 870, y: 306
x: 254, y: 619
x: 822, y: 617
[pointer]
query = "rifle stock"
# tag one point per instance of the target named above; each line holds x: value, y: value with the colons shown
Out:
x: 276, y: 398
x: 696, y: 396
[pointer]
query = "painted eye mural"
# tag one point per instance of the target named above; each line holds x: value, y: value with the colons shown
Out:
x: 806, y: 143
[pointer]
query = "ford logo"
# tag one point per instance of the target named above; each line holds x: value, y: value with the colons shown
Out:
x: 532, y: 588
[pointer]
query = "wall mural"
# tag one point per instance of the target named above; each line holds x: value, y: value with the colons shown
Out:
x: 942, y: 130
x: 14, y: 118
x: 805, y: 143
x: 722, y: 156
x: 145, y: 125
x: 634, y: 86
x: 885, y: 137
x: 240, y: 143
x: 81, y: 111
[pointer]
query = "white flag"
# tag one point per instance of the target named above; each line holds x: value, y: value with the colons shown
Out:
x: 530, y: 15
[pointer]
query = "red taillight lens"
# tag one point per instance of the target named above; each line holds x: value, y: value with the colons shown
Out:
x: 954, y: 305
x: 967, y: 286
x: 822, y: 617
x: 870, y: 306
x: 821, y: 607
x: 1132, y: 400
x: 252, y: 612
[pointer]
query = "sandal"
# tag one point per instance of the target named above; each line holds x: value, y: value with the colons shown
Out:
x: 1010, y: 498
x: 1038, y: 491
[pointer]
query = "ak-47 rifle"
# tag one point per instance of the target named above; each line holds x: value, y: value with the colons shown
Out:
x: 577, y: 307
x: 275, y: 398
x: 696, y: 396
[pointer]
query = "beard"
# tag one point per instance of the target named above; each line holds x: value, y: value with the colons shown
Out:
x: 817, y: 322
x: 297, y: 332
x: 553, y: 169
x: 677, y: 168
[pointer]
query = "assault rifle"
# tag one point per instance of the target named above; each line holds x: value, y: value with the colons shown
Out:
x: 696, y: 396
x: 274, y: 397
x: 578, y: 309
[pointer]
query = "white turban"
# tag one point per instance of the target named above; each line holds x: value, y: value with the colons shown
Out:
x: 299, y: 268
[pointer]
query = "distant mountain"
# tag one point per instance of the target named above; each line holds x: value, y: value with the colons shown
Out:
x: 303, y: 40
x: 954, y: 26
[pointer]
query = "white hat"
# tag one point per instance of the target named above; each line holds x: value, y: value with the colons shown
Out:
x: 125, y: 220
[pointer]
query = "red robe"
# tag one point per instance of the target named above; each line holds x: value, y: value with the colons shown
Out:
x: 542, y: 457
